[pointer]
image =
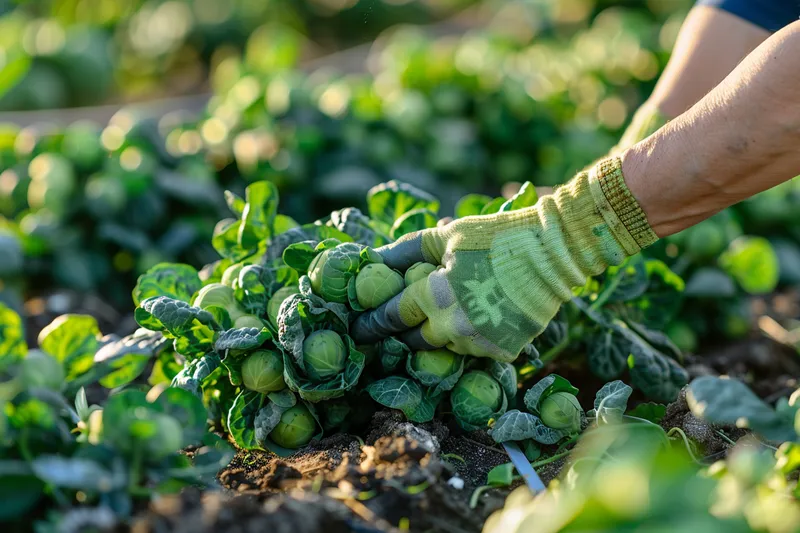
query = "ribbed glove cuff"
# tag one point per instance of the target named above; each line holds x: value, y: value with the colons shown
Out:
x: 618, y: 206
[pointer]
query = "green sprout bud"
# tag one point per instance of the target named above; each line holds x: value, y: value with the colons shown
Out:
x: 418, y: 271
x: 561, y: 410
x: 331, y: 271
x: 296, y: 428
x: 376, y: 284
x: 222, y: 296
x: 440, y: 363
x: 39, y: 369
x: 324, y: 355
x: 263, y: 372
x: 476, y: 398
x: 274, y: 304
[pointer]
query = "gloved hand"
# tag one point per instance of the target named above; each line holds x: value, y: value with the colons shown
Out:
x: 505, y: 275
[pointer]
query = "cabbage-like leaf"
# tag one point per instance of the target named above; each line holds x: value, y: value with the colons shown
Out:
x: 362, y: 230
x: 480, y: 412
x: 176, y: 280
x: 607, y: 353
x: 730, y: 402
x: 121, y: 361
x: 436, y: 384
x: 389, y: 201
x: 710, y: 282
x: 611, y: 401
x: 625, y: 282
x: 77, y: 473
x: 506, y: 376
x: 544, y: 388
x: 242, y: 419
x: 241, y: 339
x: 412, y: 221
x: 192, y: 375
x: 187, y: 409
x: 654, y: 412
x: 300, y: 255
x: 393, y: 352
x: 396, y: 392
x: 72, y: 340
x: 517, y: 425
x: 193, y: 329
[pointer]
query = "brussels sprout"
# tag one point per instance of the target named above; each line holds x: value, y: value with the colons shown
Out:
x: 263, y: 371
x: 332, y: 270
x: 222, y: 296
x: 95, y: 427
x: 274, y: 304
x: 418, y: 271
x: 376, y: 284
x: 248, y: 321
x: 296, y: 428
x: 561, y: 410
x: 476, y: 398
x: 441, y: 362
x: 42, y: 370
x: 324, y: 355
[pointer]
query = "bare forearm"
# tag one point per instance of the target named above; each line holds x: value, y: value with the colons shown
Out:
x: 710, y: 45
x: 740, y: 139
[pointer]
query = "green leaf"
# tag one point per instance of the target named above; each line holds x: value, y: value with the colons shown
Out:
x: 753, y: 264
x: 544, y: 388
x: 607, y: 353
x: 516, y: 425
x: 76, y: 473
x: 20, y: 490
x: 387, y: 202
x: 12, y: 338
x: 506, y: 375
x: 611, y: 401
x: 730, y: 402
x: 300, y: 255
x: 412, y: 221
x: 72, y: 340
x: 654, y: 412
x: 710, y: 282
x: 396, y: 392
x: 501, y: 475
x: 120, y: 362
x: 193, y: 329
x: 187, y: 409
x: 241, y: 419
x: 626, y: 281
x: 525, y: 197
x: 471, y: 204
x: 191, y: 377
x: 14, y: 70
x: 175, y: 280
x: 493, y: 206
x: 241, y: 339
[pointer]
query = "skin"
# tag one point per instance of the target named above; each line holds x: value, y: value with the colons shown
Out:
x: 749, y: 129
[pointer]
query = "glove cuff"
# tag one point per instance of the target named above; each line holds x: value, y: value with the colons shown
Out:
x: 618, y: 207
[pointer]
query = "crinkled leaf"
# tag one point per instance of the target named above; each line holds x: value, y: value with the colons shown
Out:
x: 396, y: 392
x: 250, y: 289
x: 626, y: 281
x: 300, y: 255
x: 193, y: 329
x: 301, y: 314
x: 175, y: 280
x: 730, y: 402
x: 192, y: 375
x: 607, y: 353
x: 241, y: 339
x: 544, y: 388
x: 362, y: 230
x: 611, y: 401
x: 516, y: 425
x: 392, y: 353
x: 437, y: 384
x: 663, y: 298
x: 506, y: 375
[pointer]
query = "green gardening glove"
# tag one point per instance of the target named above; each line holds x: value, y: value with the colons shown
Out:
x: 504, y: 276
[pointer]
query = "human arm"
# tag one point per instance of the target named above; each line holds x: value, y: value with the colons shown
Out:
x: 504, y: 276
x: 711, y: 42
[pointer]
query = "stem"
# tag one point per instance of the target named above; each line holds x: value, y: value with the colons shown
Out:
x: 725, y: 437
x: 686, y: 443
x: 476, y: 494
x: 556, y: 350
x: 551, y: 459
x: 603, y: 297
x: 133, y: 472
x: 567, y: 443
